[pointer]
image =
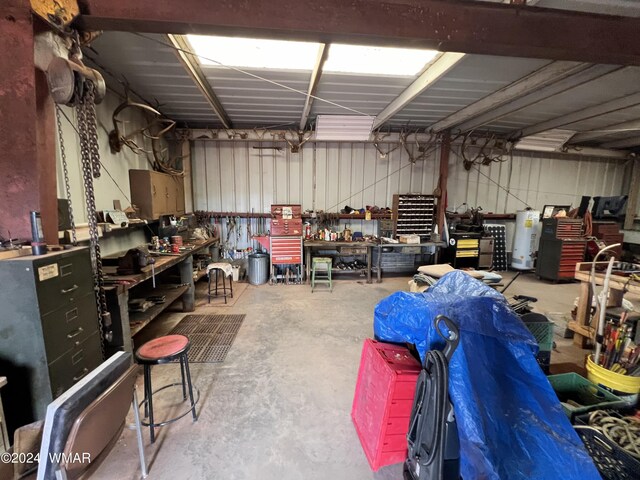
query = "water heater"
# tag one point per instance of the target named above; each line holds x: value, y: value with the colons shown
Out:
x: 524, y: 241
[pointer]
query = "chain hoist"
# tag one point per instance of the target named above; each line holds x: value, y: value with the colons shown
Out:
x: 73, y: 84
x: 65, y: 171
x: 90, y: 157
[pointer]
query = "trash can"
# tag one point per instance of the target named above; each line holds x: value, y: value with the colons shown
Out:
x: 258, y: 268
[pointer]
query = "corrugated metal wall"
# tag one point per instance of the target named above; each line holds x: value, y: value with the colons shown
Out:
x: 533, y: 180
x: 235, y: 176
x: 323, y: 176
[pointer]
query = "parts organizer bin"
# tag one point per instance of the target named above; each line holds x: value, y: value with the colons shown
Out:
x: 383, y: 400
x: 414, y: 214
x: 613, y: 462
x: 571, y: 386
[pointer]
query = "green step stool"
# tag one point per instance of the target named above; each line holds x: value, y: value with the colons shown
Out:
x: 321, y: 272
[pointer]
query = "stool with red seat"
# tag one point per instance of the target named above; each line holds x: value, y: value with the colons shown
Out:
x: 159, y: 351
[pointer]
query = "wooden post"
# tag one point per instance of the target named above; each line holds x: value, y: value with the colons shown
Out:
x: 634, y: 195
x: 583, y: 316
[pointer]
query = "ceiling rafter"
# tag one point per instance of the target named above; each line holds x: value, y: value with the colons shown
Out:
x: 626, y: 143
x: 316, y: 74
x: 438, y: 68
x: 540, y: 78
x: 615, y: 105
x: 190, y: 63
x: 562, y: 85
x: 631, y: 126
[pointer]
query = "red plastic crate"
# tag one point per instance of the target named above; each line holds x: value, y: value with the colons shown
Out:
x: 383, y: 400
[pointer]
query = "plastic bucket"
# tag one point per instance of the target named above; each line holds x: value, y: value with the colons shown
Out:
x: 612, y: 380
x: 258, y: 269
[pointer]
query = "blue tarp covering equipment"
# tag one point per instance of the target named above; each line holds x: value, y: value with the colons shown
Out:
x: 510, y: 422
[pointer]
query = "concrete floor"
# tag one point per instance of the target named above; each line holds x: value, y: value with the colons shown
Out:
x: 279, y: 407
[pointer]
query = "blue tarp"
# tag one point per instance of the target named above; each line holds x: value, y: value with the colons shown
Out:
x: 510, y: 422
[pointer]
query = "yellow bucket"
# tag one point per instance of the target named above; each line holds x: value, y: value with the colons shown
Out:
x: 613, y: 380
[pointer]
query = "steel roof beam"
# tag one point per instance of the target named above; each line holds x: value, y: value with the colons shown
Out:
x: 448, y: 26
x: 563, y: 84
x: 540, y: 78
x: 596, y: 134
x: 585, y: 114
x: 323, y: 52
x: 626, y: 143
x: 438, y: 68
x: 192, y: 66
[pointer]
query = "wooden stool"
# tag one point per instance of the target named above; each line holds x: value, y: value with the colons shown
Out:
x: 156, y: 352
x: 216, y: 267
x: 321, y: 272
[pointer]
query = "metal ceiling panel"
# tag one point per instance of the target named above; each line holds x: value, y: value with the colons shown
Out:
x: 625, y: 8
x: 251, y: 100
x: 608, y: 87
x: 473, y: 78
x: 603, y: 121
x: 368, y: 94
x: 153, y: 71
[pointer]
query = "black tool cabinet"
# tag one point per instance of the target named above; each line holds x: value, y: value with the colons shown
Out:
x: 49, y: 331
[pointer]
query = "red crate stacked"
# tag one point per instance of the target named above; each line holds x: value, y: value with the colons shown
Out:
x: 383, y: 400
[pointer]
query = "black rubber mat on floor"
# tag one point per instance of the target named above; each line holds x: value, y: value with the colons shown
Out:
x: 211, y: 336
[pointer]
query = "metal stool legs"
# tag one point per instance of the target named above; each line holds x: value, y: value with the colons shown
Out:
x: 224, y: 286
x: 185, y: 382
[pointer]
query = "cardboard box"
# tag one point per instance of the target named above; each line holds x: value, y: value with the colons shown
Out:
x: 409, y: 238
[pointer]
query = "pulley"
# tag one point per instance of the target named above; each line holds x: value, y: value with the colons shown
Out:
x: 66, y: 80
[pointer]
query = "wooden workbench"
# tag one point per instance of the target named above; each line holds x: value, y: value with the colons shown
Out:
x: 126, y: 324
x: 583, y: 327
x: 310, y: 245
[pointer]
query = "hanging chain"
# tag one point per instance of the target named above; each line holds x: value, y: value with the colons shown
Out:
x: 90, y: 155
x: 65, y: 169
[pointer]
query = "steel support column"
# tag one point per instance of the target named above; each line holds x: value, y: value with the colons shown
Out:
x: 28, y: 159
x: 445, y: 150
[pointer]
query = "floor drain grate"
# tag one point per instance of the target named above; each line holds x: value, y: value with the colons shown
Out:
x: 211, y: 336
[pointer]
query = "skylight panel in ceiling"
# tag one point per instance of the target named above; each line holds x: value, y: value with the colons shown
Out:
x: 254, y: 53
x: 377, y: 60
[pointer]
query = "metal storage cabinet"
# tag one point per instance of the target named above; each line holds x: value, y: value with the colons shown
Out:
x: 156, y: 194
x: 557, y: 258
x: 49, y: 332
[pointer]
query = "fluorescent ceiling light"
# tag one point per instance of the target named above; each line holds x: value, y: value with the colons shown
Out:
x: 549, y: 141
x: 254, y: 53
x: 354, y: 128
x: 377, y: 60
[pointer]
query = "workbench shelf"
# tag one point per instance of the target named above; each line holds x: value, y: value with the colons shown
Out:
x: 139, y: 320
x: 201, y: 273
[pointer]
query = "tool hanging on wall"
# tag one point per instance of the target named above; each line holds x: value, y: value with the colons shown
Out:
x: 73, y: 84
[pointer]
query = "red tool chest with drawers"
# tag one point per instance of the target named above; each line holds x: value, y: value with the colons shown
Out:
x: 285, y: 244
x: 562, y: 246
x: 383, y: 400
x: 286, y: 250
x: 286, y: 220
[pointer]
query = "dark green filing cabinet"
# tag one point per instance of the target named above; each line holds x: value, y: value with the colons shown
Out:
x: 49, y: 333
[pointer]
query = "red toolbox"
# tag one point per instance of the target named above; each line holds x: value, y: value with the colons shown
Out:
x: 383, y: 400
x: 286, y: 220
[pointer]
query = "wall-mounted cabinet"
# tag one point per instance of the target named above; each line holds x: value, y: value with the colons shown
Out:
x: 156, y: 194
